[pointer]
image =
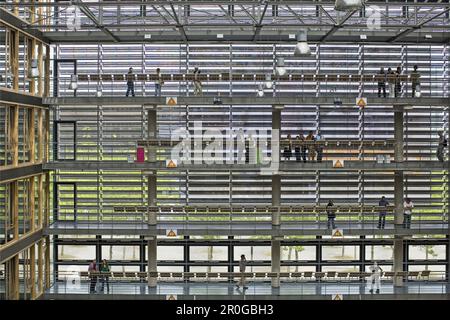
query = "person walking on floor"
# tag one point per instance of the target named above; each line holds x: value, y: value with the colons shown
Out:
x: 375, y: 277
x: 382, y: 82
x: 442, y: 144
x: 331, y: 215
x: 93, y: 278
x: 242, y: 267
x: 383, y: 209
x: 415, y: 82
x: 407, y: 207
x: 130, y: 82
x: 158, y: 83
x: 104, y: 268
x: 198, y: 88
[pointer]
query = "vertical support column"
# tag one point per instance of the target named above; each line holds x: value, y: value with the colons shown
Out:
x: 47, y: 71
x: 40, y: 69
x: 152, y: 244
x: 398, y: 196
x: 276, y: 196
x: 31, y: 138
x: 31, y: 204
x: 40, y: 126
x: 33, y: 271
x: 12, y: 278
x: 14, y: 54
x: 14, y: 129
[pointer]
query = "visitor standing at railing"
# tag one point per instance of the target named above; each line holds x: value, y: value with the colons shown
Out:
x: 93, y: 278
x: 158, y: 83
x: 242, y: 267
x: 104, y: 268
x: 375, y: 277
x: 415, y: 82
x: 382, y: 218
x: 311, y: 149
x: 391, y: 81
x: 382, y: 82
x: 407, y: 207
x: 319, y: 147
x: 331, y: 215
x: 298, y: 147
x: 130, y: 82
x: 288, y: 149
x: 442, y: 144
x: 198, y: 90
x: 398, y: 83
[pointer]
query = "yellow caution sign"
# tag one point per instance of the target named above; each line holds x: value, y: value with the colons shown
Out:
x: 337, y: 233
x: 172, y: 101
x: 338, y: 163
x: 171, y: 233
x: 337, y: 296
x: 171, y: 163
x: 361, y: 102
x: 171, y: 297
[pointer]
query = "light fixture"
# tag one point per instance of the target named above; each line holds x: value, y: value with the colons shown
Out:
x: 280, y: 69
x: 268, y: 82
x: 428, y: 36
x: 73, y: 82
x: 363, y: 36
x: 147, y: 36
x: 34, y: 72
x: 302, y: 48
x: 260, y: 92
x: 220, y: 36
x: 345, y: 5
x: 99, y: 91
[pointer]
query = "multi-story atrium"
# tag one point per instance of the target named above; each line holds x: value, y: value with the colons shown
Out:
x: 245, y: 154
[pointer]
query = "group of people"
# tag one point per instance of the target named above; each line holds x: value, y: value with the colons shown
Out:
x: 408, y: 205
x: 198, y: 88
x: 374, y: 279
x: 302, y: 149
x: 392, y: 78
x: 97, y: 283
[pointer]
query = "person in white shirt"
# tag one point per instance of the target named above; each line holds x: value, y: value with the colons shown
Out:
x: 375, y: 277
x: 158, y: 83
x: 242, y: 266
x: 198, y: 89
x: 407, y: 212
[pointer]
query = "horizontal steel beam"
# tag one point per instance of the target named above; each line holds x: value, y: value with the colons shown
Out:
x: 343, y: 35
x: 17, y: 98
x: 304, y: 99
x: 235, y: 229
x: 288, y: 168
x: 120, y: 3
x: 16, y: 246
x: 10, y: 19
x: 24, y: 171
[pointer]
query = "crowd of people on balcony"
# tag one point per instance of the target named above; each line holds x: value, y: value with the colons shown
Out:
x: 392, y: 78
x: 304, y: 147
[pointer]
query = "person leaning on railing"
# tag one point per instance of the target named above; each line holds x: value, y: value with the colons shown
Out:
x: 130, y: 82
x: 93, y: 278
x: 319, y: 147
x: 104, y: 268
x: 311, y: 149
x: 415, y: 82
x: 383, y: 209
x: 407, y: 207
x: 331, y: 215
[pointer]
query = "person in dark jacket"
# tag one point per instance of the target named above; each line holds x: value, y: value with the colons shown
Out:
x: 382, y: 217
x: 415, y: 82
x: 398, y: 83
x: 331, y: 215
x: 130, y: 82
x: 288, y: 150
x: 382, y: 82
x: 104, y: 268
